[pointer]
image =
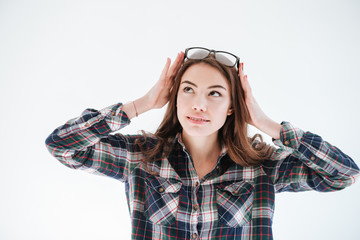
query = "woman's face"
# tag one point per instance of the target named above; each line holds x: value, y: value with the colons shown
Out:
x: 203, y: 100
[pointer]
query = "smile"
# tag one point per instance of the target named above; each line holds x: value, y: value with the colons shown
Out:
x: 197, y: 120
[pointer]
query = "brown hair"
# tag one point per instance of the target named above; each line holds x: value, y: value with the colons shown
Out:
x: 242, y: 149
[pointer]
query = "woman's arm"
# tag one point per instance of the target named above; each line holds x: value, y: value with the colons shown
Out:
x: 86, y: 142
x: 304, y: 160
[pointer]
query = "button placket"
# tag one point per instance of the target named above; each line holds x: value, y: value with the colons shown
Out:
x: 194, y: 217
x: 195, y: 213
x: 195, y: 203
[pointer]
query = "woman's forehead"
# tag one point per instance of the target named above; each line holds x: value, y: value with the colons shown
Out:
x: 204, y: 74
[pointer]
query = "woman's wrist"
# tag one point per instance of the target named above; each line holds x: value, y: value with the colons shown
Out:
x: 136, y: 107
x: 270, y: 127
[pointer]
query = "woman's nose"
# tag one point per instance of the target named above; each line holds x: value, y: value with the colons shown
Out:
x: 199, y: 105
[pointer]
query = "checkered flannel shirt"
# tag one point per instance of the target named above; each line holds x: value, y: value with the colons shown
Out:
x: 168, y: 201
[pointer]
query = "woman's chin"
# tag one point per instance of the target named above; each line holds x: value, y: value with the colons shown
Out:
x: 193, y: 132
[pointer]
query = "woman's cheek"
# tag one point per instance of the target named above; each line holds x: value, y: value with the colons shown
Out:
x: 182, y: 100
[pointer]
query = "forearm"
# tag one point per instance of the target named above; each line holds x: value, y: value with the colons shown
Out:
x: 79, y: 133
x: 86, y: 143
x: 270, y: 127
x: 138, y: 106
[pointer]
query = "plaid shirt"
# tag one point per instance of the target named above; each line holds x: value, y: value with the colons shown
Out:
x: 231, y: 202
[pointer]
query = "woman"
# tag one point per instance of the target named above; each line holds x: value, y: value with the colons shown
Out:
x: 200, y: 176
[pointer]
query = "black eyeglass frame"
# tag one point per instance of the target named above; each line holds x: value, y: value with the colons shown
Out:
x: 214, y: 52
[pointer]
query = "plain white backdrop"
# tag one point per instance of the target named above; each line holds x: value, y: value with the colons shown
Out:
x: 58, y: 58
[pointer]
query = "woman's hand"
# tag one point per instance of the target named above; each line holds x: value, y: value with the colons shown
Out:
x: 256, y: 114
x: 159, y: 94
x: 257, y: 117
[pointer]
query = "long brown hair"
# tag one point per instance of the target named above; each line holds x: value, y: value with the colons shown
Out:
x: 242, y: 149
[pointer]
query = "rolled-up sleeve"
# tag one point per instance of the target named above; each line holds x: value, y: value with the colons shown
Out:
x: 85, y: 143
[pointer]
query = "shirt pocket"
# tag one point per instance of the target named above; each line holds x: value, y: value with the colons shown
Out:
x: 235, y: 203
x: 161, y: 199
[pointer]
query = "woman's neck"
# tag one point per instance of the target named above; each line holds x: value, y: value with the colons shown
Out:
x: 204, y: 148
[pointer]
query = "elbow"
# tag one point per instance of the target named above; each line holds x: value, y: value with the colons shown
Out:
x: 50, y: 145
x: 352, y: 175
x: 52, y: 142
x: 63, y: 155
x: 345, y: 177
x: 339, y: 182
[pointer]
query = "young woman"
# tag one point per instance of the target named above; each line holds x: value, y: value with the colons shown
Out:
x: 200, y: 176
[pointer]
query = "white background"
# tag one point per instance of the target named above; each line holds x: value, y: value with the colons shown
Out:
x: 58, y: 58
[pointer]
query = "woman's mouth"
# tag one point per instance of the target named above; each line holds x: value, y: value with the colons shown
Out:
x: 197, y: 120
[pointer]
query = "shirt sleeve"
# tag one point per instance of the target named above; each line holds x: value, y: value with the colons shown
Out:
x: 85, y: 143
x: 304, y: 161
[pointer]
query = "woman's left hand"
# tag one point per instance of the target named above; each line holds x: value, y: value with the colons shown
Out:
x: 257, y: 117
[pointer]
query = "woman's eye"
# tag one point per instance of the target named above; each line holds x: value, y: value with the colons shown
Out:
x: 215, y: 94
x: 187, y: 89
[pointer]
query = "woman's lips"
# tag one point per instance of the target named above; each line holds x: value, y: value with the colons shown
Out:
x: 197, y: 120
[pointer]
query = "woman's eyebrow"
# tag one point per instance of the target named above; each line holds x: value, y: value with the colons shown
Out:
x: 213, y: 86
x: 188, y: 82
x: 217, y: 86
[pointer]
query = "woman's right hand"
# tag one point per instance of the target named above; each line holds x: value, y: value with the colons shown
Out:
x: 159, y: 94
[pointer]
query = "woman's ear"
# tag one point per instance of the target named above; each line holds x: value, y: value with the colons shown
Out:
x: 230, y: 111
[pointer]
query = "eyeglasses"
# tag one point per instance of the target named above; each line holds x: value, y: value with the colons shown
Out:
x: 226, y: 58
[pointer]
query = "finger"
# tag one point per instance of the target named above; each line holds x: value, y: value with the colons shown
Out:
x: 241, y: 70
x: 165, y: 69
x: 176, y: 65
x: 246, y: 86
x: 242, y: 77
x: 241, y: 73
x: 174, y: 69
x: 180, y: 60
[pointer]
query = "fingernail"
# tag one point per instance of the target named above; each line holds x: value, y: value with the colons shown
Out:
x: 242, y: 66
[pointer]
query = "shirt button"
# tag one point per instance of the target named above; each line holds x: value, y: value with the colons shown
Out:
x: 236, y: 192
x: 286, y: 142
x: 312, y: 158
x: 196, y: 184
x: 87, y: 124
x: 195, y: 208
x: 161, y: 189
x: 194, y: 236
x: 113, y: 113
